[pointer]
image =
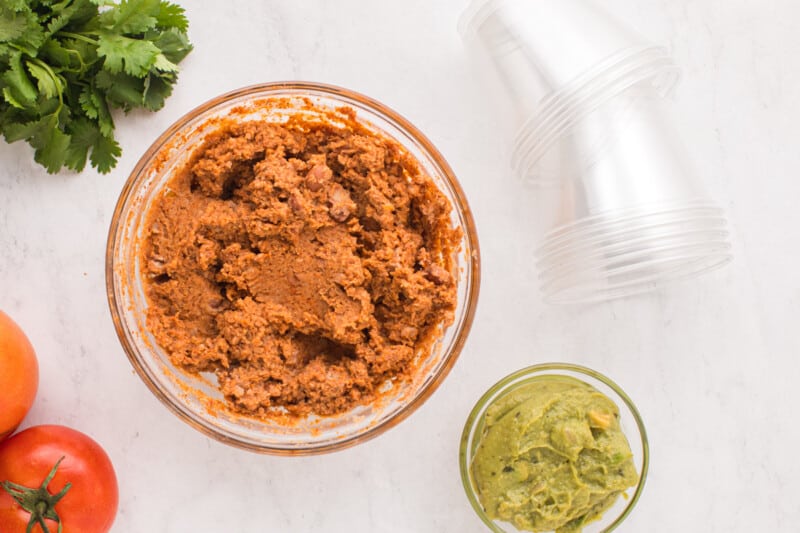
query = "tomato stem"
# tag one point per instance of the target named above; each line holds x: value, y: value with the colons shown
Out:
x: 39, y: 502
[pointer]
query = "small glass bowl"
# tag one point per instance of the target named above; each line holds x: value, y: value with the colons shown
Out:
x: 196, y: 399
x: 630, y: 421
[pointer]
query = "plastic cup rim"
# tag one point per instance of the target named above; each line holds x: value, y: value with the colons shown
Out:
x: 622, y: 266
x: 580, y: 97
x: 596, y: 237
x: 671, y: 229
x: 604, y: 218
x: 588, y: 253
x: 627, y: 59
x: 617, y: 264
x: 706, y: 264
x: 679, y: 261
x: 539, y: 134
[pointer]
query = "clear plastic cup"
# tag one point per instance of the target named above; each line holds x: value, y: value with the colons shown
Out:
x: 633, y: 214
x: 589, y: 96
x: 558, y: 60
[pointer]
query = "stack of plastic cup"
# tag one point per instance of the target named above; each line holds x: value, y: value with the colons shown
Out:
x: 589, y: 95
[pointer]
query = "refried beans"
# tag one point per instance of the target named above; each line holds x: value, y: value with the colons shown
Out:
x: 304, y: 264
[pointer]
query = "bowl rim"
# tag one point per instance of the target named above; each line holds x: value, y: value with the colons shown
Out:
x: 516, y: 378
x: 277, y: 90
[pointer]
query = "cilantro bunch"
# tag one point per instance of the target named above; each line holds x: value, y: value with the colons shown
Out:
x: 65, y: 64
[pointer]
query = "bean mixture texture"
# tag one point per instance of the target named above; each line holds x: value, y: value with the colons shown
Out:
x: 305, y: 264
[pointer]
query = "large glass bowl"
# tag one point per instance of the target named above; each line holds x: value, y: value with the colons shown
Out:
x: 630, y: 421
x: 196, y: 399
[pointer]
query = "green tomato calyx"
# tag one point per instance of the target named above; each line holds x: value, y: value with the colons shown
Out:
x: 38, y: 502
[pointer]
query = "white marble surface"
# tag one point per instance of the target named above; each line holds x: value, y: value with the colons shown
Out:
x: 712, y: 363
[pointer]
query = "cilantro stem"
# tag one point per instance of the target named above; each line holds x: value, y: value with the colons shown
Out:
x: 77, y: 54
x: 77, y: 36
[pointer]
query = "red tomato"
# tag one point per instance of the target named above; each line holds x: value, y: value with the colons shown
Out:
x: 19, y: 375
x: 82, y: 492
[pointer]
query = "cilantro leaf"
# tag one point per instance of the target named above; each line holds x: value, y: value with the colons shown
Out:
x: 90, y: 103
x: 54, y: 53
x: 21, y: 131
x: 122, y: 90
x: 162, y: 64
x: 172, y: 16
x: 76, y: 13
x: 156, y: 91
x: 172, y: 43
x: 83, y: 55
x: 135, y: 16
x: 80, y: 12
x: 136, y: 57
x: 105, y: 152
x: 44, y: 135
x: 49, y: 83
x: 8, y: 96
x: 18, y: 83
x: 21, y: 27
x: 93, y: 104
x: 53, y: 152
x: 16, y: 5
x: 84, y: 136
x: 13, y: 24
x: 104, y: 120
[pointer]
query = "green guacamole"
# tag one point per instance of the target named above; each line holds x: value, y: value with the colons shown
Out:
x: 552, y: 456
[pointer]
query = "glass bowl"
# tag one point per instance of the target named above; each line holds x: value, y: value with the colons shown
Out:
x: 630, y: 421
x: 195, y: 398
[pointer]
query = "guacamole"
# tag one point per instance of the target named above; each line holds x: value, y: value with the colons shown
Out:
x: 552, y: 456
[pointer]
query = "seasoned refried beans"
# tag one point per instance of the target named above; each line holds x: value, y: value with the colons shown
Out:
x: 304, y: 264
